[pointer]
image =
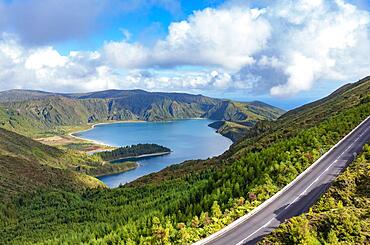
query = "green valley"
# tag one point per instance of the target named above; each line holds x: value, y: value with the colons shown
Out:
x: 182, y: 203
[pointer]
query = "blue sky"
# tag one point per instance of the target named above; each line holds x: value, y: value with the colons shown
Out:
x: 282, y: 52
x: 146, y: 23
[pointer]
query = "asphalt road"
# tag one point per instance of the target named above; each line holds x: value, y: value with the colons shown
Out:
x: 300, y: 196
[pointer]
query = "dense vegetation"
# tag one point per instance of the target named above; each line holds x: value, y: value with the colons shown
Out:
x: 184, y: 203
x: 132, y: 151
x: 340, y: 216
x: 39, y: 113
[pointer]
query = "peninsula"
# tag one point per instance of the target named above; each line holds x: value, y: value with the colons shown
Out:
x: 133, y: 152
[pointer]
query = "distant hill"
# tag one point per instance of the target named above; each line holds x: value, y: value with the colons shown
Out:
x: 232, y: 130
x: 32, y: 112
x: 232, y: 121
x: 22, y: 95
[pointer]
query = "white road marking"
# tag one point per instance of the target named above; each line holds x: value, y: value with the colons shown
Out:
x: 264, y: 226
x: 336, y: 160
x: 328, y: 167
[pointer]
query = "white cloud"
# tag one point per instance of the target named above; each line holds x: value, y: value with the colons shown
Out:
x: 305, y: 41
x: 46, y: 69
x: 301, y: 74
x: 226, y: 38
x: 182, y: 81
x: 321, y: 42
x: 45, y: 57
x: 284, y: 49
x: 126, y: 55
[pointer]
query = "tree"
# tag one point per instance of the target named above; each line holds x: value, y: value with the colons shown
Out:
x: 216, y: 211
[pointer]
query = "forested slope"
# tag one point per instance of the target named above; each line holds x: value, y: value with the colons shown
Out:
x: 184, y: 203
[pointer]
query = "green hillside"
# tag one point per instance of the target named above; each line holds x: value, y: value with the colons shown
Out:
x: 186, y: 202
x: 346, y: 97
x: 341, y: 216
x: 36, y: 113
x: 232, y: 130
x: 26, y: 166
x: 235, y: 119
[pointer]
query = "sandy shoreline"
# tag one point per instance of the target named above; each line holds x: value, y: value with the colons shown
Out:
x: 72, y: 134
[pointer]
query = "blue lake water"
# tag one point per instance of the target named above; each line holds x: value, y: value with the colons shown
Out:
x: 188, y: 140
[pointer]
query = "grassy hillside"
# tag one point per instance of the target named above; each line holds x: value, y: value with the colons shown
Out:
x: 340, y: 216
x: 35, y: 113
x: 26, y: 166
x: 186, y: 202
x: 265, y: 133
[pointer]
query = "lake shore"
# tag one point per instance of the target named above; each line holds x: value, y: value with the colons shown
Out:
x: 69, y: 140
x: 100, y: 146
x: 188, y: 139
x: 86, y: 145
x: 119, y: 168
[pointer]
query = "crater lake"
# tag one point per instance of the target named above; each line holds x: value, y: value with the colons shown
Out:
x: 188, y: 140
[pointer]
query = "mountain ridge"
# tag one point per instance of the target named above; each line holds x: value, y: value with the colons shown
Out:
x: 46, y: 110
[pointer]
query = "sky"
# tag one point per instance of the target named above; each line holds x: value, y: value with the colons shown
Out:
x: 286, y: 52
